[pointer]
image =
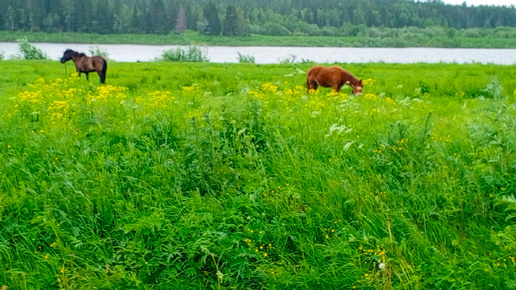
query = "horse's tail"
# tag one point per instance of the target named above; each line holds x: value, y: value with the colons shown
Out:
x: 104, y: 68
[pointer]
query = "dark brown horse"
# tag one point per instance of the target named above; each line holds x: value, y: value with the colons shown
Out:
x: 334, y: 77
x: 85, y: 64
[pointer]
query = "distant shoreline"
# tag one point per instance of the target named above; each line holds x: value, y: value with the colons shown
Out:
x: 403, y: 38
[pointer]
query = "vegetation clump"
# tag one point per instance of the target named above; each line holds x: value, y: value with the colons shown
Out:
x: 190, y: 54
x: 29, y: 51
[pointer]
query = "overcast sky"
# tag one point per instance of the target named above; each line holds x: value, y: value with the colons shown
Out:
x: 482, y: 2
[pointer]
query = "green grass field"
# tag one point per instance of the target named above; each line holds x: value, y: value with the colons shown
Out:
x: 231, y: 176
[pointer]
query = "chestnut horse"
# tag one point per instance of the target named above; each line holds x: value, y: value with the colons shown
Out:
x: 85, y: 64
x: 334, y: 77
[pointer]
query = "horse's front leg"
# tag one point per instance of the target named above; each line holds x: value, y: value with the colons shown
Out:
x: 87, y: 77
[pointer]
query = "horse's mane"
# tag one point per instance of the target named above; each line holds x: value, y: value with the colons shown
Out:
x: 76, y: 52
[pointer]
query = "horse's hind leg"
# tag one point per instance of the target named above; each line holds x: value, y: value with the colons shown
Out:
x: 102, y: 76
x: 87, y: 76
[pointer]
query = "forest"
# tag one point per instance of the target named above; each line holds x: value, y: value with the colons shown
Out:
x: 243, y: 17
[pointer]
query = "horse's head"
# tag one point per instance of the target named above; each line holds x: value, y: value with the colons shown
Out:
x: 67, y: 56
x: 358, y: 88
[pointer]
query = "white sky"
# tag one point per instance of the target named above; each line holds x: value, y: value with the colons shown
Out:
x: 482, y: 2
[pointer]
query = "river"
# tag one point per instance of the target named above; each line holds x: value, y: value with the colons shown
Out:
x: 269, y: 54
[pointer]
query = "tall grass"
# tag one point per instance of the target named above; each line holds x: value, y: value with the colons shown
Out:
x: 188, y: 176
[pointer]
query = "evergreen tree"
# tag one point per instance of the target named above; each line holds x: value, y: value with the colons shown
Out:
x: 123, y: 18
x: 230, y: 21
x: 157, y: 21
x: 241, y: 16
x: 81, y: 16
x: 135, y: 21
x: 3, y: 4
x: 56, y: 12
x: 10, y: 18
x: 191, y: 17
x: 104, y: 17
x: 211, y: 15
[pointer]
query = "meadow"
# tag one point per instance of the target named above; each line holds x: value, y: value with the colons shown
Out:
x: 232, y: 176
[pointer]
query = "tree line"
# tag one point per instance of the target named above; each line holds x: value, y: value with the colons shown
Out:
x: 243, y: 17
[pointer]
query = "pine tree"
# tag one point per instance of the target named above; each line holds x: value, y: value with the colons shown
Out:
x: 230, y: 21
x: 211, y: 15
x: 104, y: 17
x: 157, y: 21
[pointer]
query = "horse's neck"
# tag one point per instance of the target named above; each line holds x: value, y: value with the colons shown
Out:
x: 351, y: 78
x: 76, y: 57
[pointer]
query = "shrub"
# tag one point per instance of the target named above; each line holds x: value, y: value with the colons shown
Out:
x: 192, y: 54
x: 29, y: 51
x: 242, y: 58
x: 95, y: 50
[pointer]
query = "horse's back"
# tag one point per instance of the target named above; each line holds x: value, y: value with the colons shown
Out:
x: 325, y: 76
x: 93, y: 63
x: 316, y: 69
x: 97, y: 60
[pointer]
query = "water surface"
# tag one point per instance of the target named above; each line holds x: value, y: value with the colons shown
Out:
x: 273, y: 54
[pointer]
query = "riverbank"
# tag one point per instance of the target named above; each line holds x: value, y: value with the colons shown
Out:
x: 382, y: 37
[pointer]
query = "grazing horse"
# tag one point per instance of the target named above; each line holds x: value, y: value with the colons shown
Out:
x: 85, y: 64
x: 334, y: 77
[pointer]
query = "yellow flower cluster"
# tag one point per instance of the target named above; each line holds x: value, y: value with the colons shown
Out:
x: 189, y: 89
x: 441, y: 139
x: 370, y: 96
x: 58, y: 110
x: 109, y: 93
x: 368, y: 82
x: 155, y: 101
x: 258, y: 247
x: 378, y: 255
x: 268, y: 87
x: 30, y: 97
x: 295, y: 92
x: 160, y: 99
x: 337, y: 95
x: 505, y: 261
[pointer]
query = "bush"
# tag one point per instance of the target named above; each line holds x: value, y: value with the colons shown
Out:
x: 95, y: 50
x: 192, y: 54
x: 29, y: 51
x: 245, y: 58
x: 275, y: 29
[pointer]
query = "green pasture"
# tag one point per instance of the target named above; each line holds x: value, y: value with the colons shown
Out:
x: 232, y: 176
